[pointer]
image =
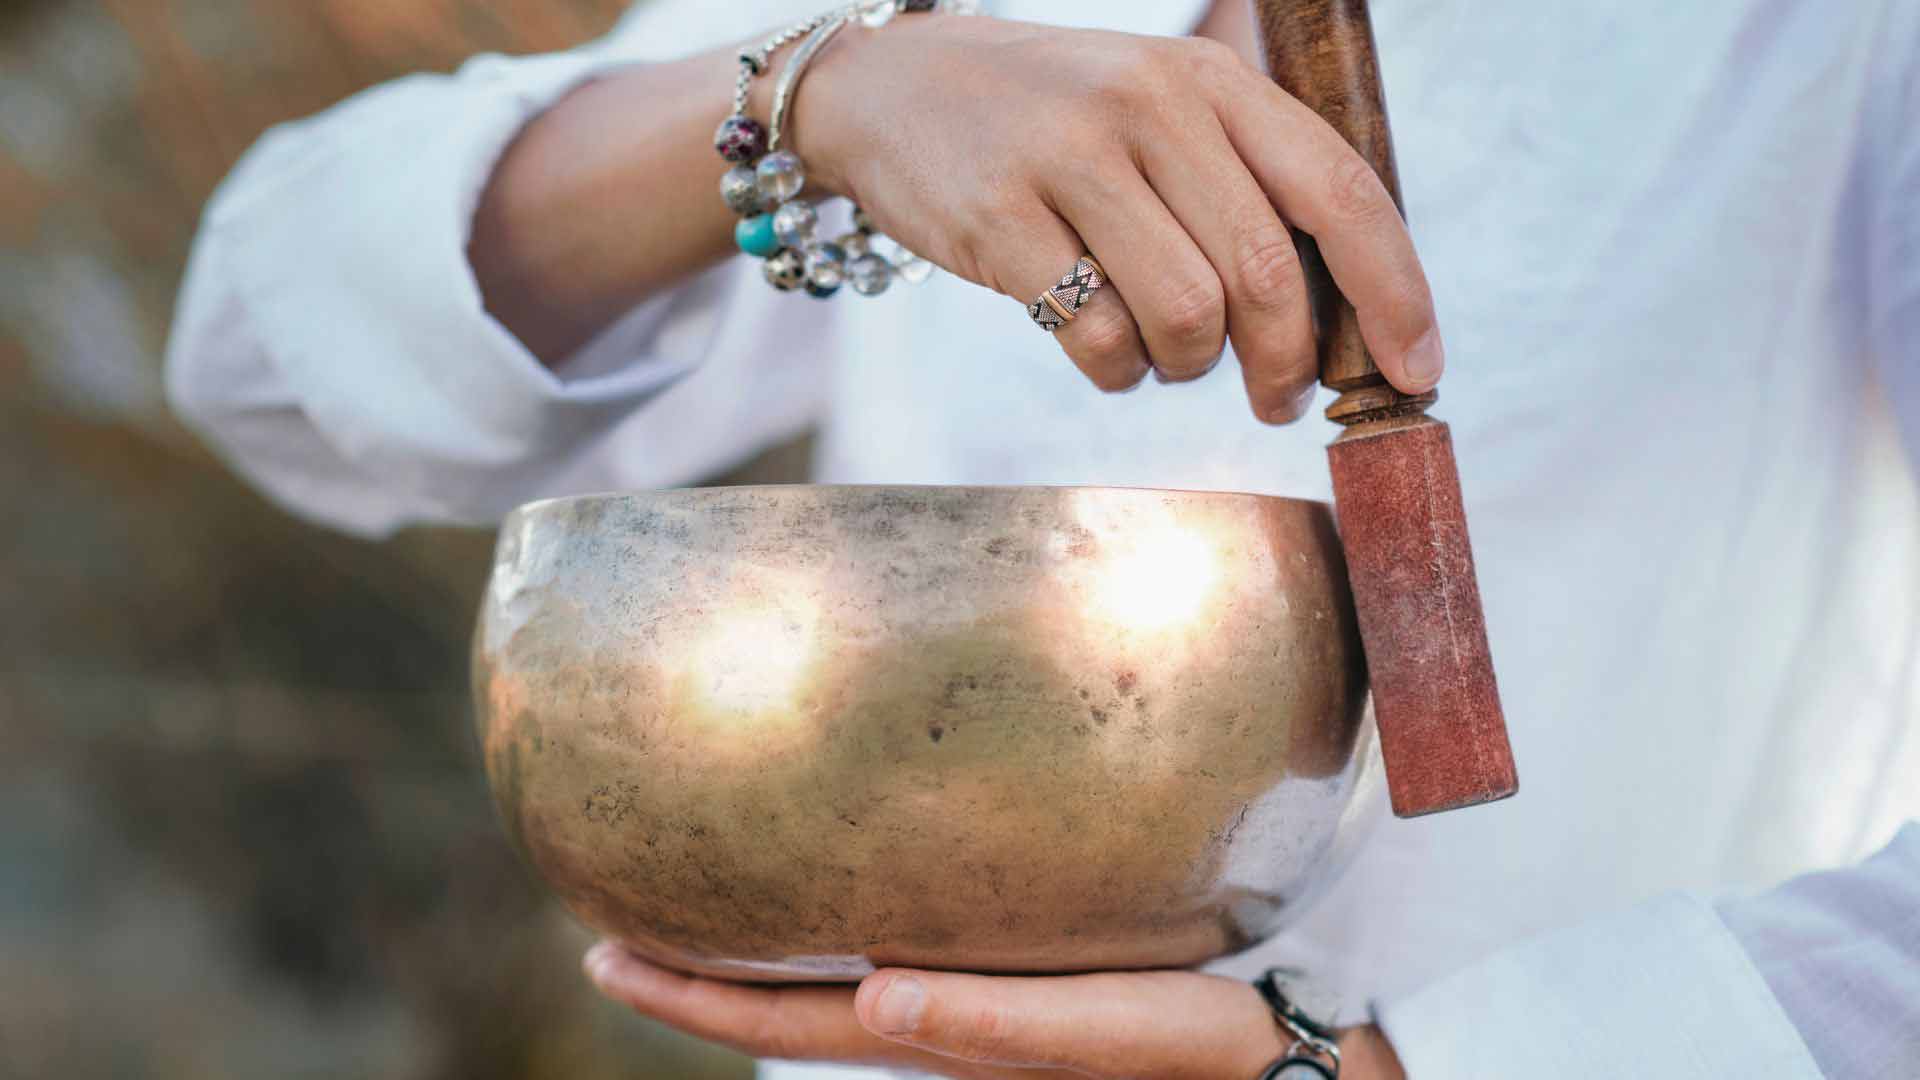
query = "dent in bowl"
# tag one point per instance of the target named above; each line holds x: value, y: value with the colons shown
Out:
x: 787, y: 733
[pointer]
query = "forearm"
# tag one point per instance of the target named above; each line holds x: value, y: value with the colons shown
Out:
x: 606, y: 199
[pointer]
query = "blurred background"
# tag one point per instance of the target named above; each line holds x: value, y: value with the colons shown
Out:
x: 243, y: 831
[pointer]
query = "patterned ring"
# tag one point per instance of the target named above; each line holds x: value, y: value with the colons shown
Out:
x: 1061, y: 304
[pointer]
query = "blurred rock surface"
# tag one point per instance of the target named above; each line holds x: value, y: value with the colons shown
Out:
x: 242, y: 829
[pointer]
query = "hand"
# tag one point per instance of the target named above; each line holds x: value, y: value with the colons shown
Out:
x: 1159, y: 1025
x: 1003, y: 151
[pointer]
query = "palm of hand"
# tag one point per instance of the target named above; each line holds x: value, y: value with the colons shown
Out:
x: 1163, y: 1025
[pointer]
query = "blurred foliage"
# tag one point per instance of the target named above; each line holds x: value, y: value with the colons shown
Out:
x: 242, y: 827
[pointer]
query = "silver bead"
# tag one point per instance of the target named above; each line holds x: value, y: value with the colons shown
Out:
x: 785, y: 269
x: 869, y: 275
x: 854, y: 244
x: 779, y: 176
x: 740, y: 190
x: 875, y: 14
x: 793, y: 223
x: 912, y: 268
x: 826, y: 266
x: 861, y: 221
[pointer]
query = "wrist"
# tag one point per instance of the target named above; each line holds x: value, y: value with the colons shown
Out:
x: 821, y: 113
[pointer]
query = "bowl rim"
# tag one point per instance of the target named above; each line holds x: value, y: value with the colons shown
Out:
x: 586, y: 497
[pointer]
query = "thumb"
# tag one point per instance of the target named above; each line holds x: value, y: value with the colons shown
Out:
x: 1162, y: 1023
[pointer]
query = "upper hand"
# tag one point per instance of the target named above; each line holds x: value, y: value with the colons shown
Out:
x: 1159, y: 1025
x: 1003, y: 151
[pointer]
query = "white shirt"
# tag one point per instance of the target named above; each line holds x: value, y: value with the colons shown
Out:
x: 1676, y: 255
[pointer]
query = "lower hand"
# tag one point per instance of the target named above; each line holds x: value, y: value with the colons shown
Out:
x: 1003, y: 151
x: 1159, y: 1025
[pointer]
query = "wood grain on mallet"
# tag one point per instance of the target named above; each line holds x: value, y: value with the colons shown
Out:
x: 1395, y: 482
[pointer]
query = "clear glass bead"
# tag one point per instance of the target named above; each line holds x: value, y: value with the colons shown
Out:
x: 855, y: 244
x: 869, y: 275
x: 827, y: 266
x: 740, y: 190
x: 875, y: 14
x: 912, y: 268
x: 784, y: 269
x: 779, y: 176
x: 794, y: 222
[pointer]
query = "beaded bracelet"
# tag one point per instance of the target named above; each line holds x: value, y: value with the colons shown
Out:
x: 765, y: 181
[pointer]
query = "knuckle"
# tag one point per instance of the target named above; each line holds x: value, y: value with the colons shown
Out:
x: 1106, y: 353
x: 1213, y: 51
x: 969, y: 264
x: 1141, y: 82
x: 985, y: 1036
x: 1356, y: 193
x: 1193, y: 322
x: 1208, y: 57
x: 1114, y: 84
x: 1101, y: 340
x: 982, y: 255
x: 1267, y: 270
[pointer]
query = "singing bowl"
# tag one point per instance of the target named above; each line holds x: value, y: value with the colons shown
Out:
x: 795, y: 733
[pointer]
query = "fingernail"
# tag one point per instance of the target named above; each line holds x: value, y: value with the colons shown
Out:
x: 1425, y: 360
x: 599, y: 960
x: 1295, y: 409
x: 900, y: 1005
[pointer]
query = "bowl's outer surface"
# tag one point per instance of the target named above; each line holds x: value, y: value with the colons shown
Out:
x: 797, y: 732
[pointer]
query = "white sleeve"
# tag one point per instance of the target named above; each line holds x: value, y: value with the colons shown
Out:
x: 1841, y: 951
x: 1661, y: 990
x: 1891, y: 177
x: 330, y: 339
x: 1822, y: 973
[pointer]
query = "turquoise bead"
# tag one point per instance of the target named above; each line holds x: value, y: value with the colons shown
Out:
x: 755, y: 235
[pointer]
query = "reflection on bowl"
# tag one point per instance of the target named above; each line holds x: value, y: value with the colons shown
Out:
x: 798, y: 732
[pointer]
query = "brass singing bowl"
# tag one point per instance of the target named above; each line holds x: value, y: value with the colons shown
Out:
x: 795, y: 733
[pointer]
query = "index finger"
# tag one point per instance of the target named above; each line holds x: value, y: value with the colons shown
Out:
x: 787, y: 1023
x: 797, y: 1022
x: 1323, y: 187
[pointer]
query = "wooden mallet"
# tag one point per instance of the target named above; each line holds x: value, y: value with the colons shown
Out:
x: 1396, y: 487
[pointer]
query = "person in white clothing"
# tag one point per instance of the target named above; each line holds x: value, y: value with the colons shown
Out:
x: 1675, y: 250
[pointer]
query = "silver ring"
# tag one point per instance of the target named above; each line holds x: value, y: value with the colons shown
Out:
x: 1060, y: 305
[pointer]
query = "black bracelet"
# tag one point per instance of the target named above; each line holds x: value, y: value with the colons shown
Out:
x: 1293, y: 1067
x: 1315, y: 1052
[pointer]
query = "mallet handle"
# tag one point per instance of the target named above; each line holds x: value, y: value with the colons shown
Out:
x: 1322, y: 52
x: 1403, y: 524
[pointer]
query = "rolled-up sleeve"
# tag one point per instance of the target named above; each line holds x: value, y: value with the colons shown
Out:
x: 330, y: 339
x: 1663, y: 989
x: 1819, y: 977
x: 1841, y: 952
